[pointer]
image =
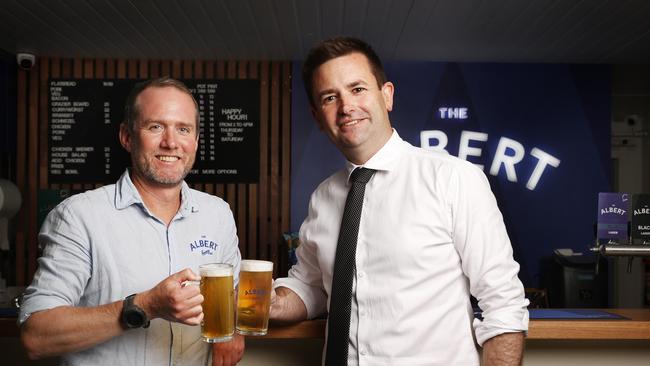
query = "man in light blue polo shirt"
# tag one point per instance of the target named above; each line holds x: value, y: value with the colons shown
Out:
x: 109, y: 287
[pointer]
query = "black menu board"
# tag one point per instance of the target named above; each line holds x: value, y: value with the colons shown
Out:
x: 84, y: 119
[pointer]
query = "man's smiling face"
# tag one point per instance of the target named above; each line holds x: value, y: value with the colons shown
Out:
x: 350, y: 107
x: 164, y: 141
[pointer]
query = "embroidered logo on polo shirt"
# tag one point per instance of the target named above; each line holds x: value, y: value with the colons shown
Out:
x: 204, y: 246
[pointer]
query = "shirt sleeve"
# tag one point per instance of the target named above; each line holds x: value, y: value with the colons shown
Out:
x: 64, y: 267
x: 482, y: 242
x: 305, y: 277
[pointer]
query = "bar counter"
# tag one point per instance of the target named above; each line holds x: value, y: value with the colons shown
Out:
x: 558, y: 342
x: 635, y: 327
x: 588, y: 342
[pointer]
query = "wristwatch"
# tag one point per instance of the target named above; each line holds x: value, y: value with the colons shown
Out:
x: 132, y: 315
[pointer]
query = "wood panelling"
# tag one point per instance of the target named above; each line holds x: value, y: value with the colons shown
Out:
x: 261, y: 209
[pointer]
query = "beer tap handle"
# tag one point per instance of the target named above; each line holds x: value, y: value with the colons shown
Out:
x: 597, y: 249
x: 629, y: 264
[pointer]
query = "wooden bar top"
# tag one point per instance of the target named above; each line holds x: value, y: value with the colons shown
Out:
x: 635, y: 327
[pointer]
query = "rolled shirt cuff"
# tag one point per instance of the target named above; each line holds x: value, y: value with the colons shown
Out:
x: 313, y: 297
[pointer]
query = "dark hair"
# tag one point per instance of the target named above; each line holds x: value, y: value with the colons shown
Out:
x: 337, y: 47
x: 131, y: 109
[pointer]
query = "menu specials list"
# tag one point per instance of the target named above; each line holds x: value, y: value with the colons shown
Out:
x: 82, y: 135
x: 85, y: 115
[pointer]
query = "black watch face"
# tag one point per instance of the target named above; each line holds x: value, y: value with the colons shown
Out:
x: 134, y: 319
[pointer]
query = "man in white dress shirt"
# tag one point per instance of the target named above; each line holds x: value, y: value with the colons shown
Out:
x: 430, y: 234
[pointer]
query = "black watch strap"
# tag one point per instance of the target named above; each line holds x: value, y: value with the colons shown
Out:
x: 132, y: 315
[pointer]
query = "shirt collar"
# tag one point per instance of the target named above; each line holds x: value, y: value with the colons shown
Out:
x: 126, y: 195
x: 385, y: 159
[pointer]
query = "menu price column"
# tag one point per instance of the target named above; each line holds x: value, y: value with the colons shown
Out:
x: 204, y: 93
x: 107, y: 122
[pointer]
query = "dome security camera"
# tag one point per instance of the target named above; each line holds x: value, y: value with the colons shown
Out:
x: 633, y: 120
x: 26, y: 60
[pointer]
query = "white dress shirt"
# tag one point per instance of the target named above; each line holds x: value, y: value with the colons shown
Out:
x: 430, y: 234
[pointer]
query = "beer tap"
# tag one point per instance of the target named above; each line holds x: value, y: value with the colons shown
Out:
x: 614, y: 249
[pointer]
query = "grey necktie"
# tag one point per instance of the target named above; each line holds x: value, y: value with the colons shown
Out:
x: 339, y: 313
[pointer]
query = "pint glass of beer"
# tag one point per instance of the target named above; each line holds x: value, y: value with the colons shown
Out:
x: 254, y: 297
x: 218, y: 303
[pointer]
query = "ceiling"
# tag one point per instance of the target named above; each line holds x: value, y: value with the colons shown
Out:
x: 565, y: 31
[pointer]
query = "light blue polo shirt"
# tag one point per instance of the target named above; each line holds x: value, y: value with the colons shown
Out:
x: 103, y: 245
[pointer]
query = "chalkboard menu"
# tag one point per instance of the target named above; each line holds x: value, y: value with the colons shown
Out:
x: 85, y: 115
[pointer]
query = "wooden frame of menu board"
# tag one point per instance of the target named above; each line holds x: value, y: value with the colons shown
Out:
x: 261, y: 208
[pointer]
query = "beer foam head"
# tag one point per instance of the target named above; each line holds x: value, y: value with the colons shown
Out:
x: 250, y: 265
x: 215, y: 270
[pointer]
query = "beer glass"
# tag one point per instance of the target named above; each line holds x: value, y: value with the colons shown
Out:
x: 254, y: 297
x: 218, y: 303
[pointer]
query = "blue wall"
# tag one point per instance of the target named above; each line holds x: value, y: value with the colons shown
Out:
x: 563, y: 111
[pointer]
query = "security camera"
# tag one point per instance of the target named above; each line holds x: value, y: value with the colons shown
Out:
x: 633, y: 120
x: 26, y: 60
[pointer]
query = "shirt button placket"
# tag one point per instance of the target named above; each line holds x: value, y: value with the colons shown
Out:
x: 361, y: 292
x: 177, y: 344
x: 361, y: 328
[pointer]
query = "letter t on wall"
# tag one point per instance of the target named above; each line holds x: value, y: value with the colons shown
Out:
x: 544, y: 160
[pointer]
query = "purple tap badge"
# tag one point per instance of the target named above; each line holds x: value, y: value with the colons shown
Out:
x: 640, y: 221
x: 612, y: 216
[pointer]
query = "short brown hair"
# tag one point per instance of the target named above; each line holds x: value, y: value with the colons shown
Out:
x: 337, y: 47
x: 131, y: 109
